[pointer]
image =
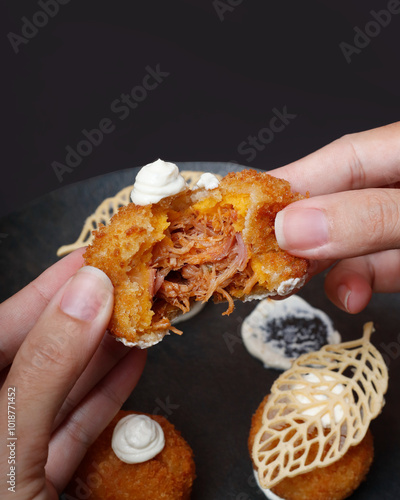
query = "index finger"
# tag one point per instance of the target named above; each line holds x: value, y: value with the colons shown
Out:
x: 355, y: 161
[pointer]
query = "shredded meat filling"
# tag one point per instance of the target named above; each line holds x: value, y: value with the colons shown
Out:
x: 199, y: 256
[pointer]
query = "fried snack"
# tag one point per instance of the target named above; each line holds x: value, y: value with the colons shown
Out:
x: 192, y: 246
x: 103, y: 476
x: 334, y: 482
x: 316, y: 419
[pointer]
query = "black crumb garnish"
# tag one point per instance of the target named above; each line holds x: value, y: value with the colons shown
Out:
x: 294, y: 335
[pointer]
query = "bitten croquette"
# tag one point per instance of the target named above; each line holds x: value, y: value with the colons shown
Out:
x: 193, y: 246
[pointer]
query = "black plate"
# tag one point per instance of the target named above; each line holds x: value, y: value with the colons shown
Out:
x: 205, y: 382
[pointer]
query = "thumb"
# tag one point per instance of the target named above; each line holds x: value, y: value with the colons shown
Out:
x: 341, y: 225
x: 50, y: 360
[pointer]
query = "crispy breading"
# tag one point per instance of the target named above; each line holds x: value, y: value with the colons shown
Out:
x: 103, y: 476
x: 193, y: 246
x: 334, y: 482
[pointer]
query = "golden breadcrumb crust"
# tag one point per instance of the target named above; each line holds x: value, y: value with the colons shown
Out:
x: 124, y: 250
x: 334, y: 482
x: 103, y: 476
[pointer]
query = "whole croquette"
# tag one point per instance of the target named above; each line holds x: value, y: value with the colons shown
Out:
x: 194, y: 246
x: 334, y: 482
x: 103, y: 476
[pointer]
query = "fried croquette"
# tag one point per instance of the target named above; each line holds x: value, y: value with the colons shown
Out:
x: 192, y: 246
x: 334, y: 482
x: 103, y: 476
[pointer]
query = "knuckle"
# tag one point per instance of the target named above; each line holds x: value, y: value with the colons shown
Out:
x: 47, y: 354
x: 358, y: 175
x: 383, y: 218
x: 77, y: 431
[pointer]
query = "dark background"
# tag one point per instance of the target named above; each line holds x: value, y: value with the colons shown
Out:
x: 229, y: 67
x: 227, y: 73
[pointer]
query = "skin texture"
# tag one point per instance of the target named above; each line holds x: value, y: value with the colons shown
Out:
x: 70, y: 377
x: 169, y: 475
x: 334, y: 482
x: 353, y: 184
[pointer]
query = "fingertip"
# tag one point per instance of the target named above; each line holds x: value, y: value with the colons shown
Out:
x: 301, y: 229
x: 76, y: 257
x: 343, y: 293
x: 95, y: 271
x: 360, y: 295
x: 279, y: 233
x: 86, y: 294
x: 351, y: 294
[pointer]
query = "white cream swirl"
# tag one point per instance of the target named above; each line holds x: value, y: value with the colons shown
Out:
x: 156, y: 181
x: 137, y: 438
x: 207, y: 181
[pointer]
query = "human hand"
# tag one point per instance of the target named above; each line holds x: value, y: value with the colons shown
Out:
x: 69, y: 378
x: 353, y: 214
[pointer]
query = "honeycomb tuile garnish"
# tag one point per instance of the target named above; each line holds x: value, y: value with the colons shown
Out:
x: 327, y: 400
x: 109, y: 207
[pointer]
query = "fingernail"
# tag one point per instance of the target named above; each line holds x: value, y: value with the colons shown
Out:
x: 301, y: 229
x: 343, y: 293
x: 87, y: 292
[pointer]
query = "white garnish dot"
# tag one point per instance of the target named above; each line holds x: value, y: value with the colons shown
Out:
x: 137, y: 438
x: 156, y: 181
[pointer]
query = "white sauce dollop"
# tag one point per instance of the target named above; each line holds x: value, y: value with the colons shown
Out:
x: 289, y: 285
x: 137, y: 438
x: 271, y: 352
x: 156, y: 181
x: 207, y: 181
